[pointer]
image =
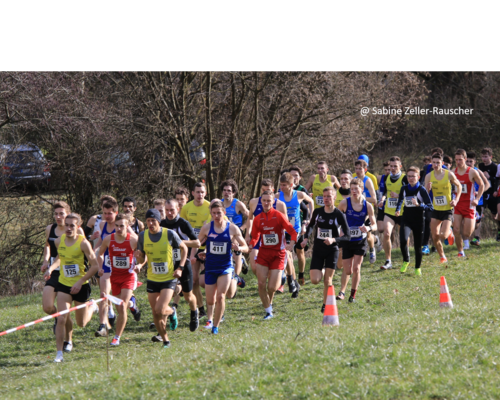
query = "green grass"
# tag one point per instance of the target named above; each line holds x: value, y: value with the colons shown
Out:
x: 393, y: 343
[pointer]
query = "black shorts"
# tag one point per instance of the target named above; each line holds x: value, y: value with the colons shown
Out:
x: 397, y: 220
x: 380, y: 214
x: 186, y: 279
x: 297, y: 246
x: 442, y: 215
x: 480, y: 210
x: 491, y: 203
x: 351, y: 249
x: 82, y: 296
x: 196, y: 256
x: 157, y: 287
x: 54, y: 279
x: 323, y: 258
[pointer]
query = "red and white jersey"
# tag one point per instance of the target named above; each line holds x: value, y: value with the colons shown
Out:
x: 121, y: 257
x: 468, y: 191
x: 270, y: 228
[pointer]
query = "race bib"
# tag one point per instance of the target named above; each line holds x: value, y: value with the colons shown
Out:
x: 319, y: 201
x: 355, y: 232
x: 440, y: 201
x: 218, y: 248
x: 121, y: 262
x: 270, y: 239
x: 159, y: 268
x: 464, y: 188
x: 324, y: 234
x: 408, y: 201
x: 292, y: 220
x: 197, y: 231
x: 107, y: 262
x: 177, y: 254
x: 392, y: 202
x: 71, y: 271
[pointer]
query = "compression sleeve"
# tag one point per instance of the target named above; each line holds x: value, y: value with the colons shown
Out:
x: 88, y: 232
x: 304, y: 209
x: 400, y: 198
x: 345, y: 228
x: 312, y: 223
x: 427, y: 202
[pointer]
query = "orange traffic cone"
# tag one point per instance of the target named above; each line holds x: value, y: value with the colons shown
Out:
x: 444, y: 297
x: 331, y: 315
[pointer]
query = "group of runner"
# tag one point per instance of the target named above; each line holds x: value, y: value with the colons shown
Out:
x: 188, y: 245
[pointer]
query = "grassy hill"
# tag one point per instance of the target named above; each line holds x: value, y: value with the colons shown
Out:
x: 393, y: 343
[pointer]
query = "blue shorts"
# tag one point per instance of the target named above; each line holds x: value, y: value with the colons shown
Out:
x: 212, y: 276
x: 257, y: 246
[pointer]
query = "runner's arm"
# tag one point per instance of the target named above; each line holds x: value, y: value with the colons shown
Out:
x: 288, y: 227
x: 255, y: 233
x: 309, y: 183
x: 188, y: 230
x: 343, y: 224
x: 236, y: 233
x: 89, y: 253
x: 46, y: 249
x: 371, y: 190
x: 426, y: 199
x: 242, y: 209
x: 458, y: 185
x: 477, y: 178
x: 335, y: 182
x: 400, y: 200
x: 312, y: 223
x: 309, y: 200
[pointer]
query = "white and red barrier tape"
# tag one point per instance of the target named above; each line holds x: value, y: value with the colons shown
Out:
x: 113, y: 299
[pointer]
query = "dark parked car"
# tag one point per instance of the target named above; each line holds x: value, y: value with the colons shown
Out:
x: 22, y: 166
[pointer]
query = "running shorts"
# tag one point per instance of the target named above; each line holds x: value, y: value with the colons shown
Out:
x: 465, y: 211
x: 272, y: 259
x: 157, y: 287
x: 81, y: 297
x: 118, y: 283
x: 351, y: 249
x: 322, y: 258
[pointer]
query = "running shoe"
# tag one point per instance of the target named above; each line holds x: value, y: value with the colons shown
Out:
x: 195, y: 321
x: 240, y: 282
x: 418, y: 271
x: 59, y: 358
x: 280, y: 289
x: 54, y: 326
x: 209, y: 325
x: 215, y: 330
x: 115, y: 342
x: 378, y: 245
x: 244, y: 265
x: 405, y: 265
x: 295, y: 294
x: 156, y: 339
x: 433, y: 249
x: 101, y: 331
x: 152, y: 326
x: 166, y: 344
x: 466, y: 245
x: 451, y: 238
x: 443, y: 260
x: 461, y: 255
x: 425, y: 250
x: 173, y: 320
x: 67, y: 347
x: 475, y: 242
x: 340, y: 296
x: 373, y: 256
x: 136, y: 313
x: 323, y: 309
x: 291, y: 286
x: 387, y: 265
x: 268, y: 316
x: 352, y: 299
x: 223, y: 318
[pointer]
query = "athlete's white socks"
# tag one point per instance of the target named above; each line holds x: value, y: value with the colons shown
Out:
x: 111, y: 312
x: 269, y: 309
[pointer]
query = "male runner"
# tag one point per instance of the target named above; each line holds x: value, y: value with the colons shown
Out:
x: 325, y: 255
x: 106, y: 228
x: 361, y: 167
x: 489, y: 169
x: 416, y: 201
x: 292, y: 200
x: 345, y: 187
x: 52, y: 232
x: 359, y: 214
x: 296, y: 172
x: 391, y: 187
x: 465, y: 210
x: 380, y: 210
x: 73, y: 285
x: 255, y: 207
x: 268, y: 229
x: 159, y: 204
x: 471, y: 162
x: 237, y: 213
x: 121, y: 246
x: 159, y: 245
x: 220, y: 235
x: 439, y: 181
x: 91, y: 230
x: 182, y: 196
x: 185, y: 231
x: 197, y: 213
x: 129, y: 207
x: 427, y: 160
x: 373, y: 178
x: 320, y: 181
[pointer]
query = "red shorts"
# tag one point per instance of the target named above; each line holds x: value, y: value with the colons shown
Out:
x: 118, y: 283
x: 272, y: 259
x: 465, y: 210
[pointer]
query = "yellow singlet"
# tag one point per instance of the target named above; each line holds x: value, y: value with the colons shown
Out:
x: 372, y: 177
x: 160, y: 257
x: 391, y: 203
x: 72, y: 261
x: 317, y: 189
x: 197, y: 216
x: 441, y: 191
